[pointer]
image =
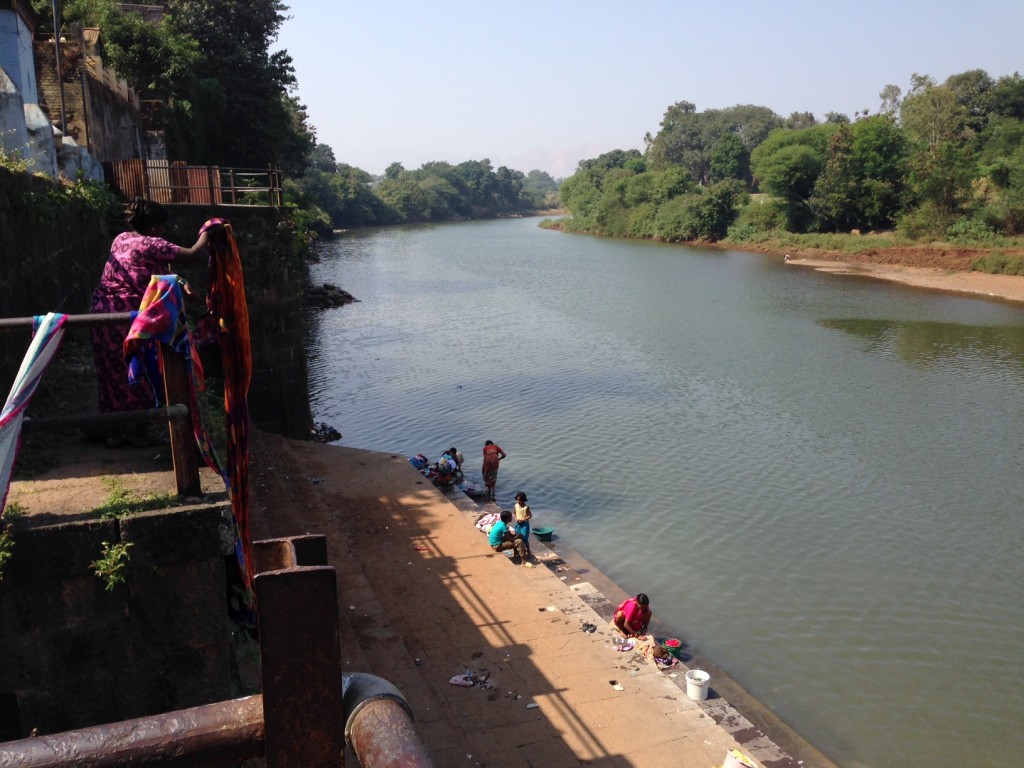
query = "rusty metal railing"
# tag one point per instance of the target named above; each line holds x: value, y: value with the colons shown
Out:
x: 173, y: 181
x: 177, y: 391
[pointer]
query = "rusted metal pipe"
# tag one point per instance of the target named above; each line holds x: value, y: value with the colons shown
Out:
x: 202, y: 737
x: 77, y: 321
x: 378, y: 724
x: 177, y: 413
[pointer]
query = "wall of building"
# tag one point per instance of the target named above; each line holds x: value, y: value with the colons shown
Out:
x: 99, y: 110
x: 50, y: 257
x: 16, y: 48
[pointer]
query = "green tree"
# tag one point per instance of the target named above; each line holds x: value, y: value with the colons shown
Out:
x: 259, y: 122
x: 730, y: 159
x: 798, y: 120
x: 861, y: 185
x: 322, y: 158
x: 892, y: 98
x: 705, y: 214
x: 541, y: 189
x: 973, y: 91
x: 938, y: 125
x: 787, y: 164
x: 617, y: 158
x: 688, y: 138
x: 1008, y: 96
x: 836, y: 190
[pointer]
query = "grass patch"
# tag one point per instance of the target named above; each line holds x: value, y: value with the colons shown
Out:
x: 998, y: 263
x: 781, y: 240
x: 123, y: 501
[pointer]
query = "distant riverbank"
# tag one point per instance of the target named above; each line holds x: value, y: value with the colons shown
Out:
x: 938, y: 268
x: 941, y: 266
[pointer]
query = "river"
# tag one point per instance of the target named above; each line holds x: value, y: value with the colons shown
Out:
x: 817, y: 479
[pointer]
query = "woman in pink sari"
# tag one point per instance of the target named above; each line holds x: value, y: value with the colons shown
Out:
x: 492, y: 455
x: 135, y: 256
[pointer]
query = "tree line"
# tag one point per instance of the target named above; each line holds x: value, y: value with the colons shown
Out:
x: 941, y: 161
x: 332, y: 194
x: 228, y: 100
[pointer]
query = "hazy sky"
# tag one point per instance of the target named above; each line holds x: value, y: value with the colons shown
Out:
x: 546, y: 84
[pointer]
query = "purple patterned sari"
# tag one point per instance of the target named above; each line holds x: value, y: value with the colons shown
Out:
x: 133, y: 259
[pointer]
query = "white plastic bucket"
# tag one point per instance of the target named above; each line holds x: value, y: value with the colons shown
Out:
x: 697, y: 684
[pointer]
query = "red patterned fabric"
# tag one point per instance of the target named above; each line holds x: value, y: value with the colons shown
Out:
x: 228, y: 309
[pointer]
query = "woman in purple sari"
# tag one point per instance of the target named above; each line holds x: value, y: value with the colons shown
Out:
x: 135, y: 256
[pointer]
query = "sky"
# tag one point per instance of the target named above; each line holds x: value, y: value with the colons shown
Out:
x: 542, y: 85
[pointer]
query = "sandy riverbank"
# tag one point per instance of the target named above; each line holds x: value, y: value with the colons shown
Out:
x: 1005, y: 287
x: 928, y: 267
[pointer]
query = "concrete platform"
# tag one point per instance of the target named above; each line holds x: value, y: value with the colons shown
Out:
x: 422, y: 598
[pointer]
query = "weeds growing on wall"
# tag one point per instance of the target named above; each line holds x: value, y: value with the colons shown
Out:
x: 12, y: 161
x: 112, y: 565
x: 6, y: 547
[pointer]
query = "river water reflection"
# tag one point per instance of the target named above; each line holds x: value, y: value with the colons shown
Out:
x: 817, y: 479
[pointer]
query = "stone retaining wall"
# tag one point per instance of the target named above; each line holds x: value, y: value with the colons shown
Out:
x: 76, y: 654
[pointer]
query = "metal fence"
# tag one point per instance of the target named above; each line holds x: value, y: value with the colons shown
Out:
x: 173, y: 181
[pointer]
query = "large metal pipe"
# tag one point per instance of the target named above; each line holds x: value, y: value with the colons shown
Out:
x: 202, y: 737
x: 378, y: 724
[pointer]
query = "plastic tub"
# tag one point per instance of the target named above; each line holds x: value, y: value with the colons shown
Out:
x: 673, y: 646
x: 543, y: 533
x: 697, y: 684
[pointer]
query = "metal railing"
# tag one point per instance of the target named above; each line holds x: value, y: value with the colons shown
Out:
x: 177, y: 394
x: 175, y: 182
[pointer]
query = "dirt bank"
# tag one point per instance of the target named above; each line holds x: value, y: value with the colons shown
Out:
x: 940, y: 269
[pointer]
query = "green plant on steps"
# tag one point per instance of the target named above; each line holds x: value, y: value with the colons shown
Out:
x: 112, y: 565
x: 123, y: 501
x: 14, y: 509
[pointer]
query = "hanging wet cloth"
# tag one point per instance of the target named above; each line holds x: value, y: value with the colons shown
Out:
x: 48, y: 332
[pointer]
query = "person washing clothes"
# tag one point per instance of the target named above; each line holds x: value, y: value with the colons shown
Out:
x: 633, y: 615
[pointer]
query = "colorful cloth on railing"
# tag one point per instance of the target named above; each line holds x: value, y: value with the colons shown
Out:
x: 47, y: 336
x: 161, y: 319
x: 133, y: 258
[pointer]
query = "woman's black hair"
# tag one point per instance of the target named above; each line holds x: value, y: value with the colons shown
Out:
x: 521, y: 496
x: 143, y: 215
x: 642, y: 599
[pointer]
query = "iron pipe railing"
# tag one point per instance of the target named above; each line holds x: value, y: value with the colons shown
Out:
x: 177, y: 391
x: 201, y: 737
